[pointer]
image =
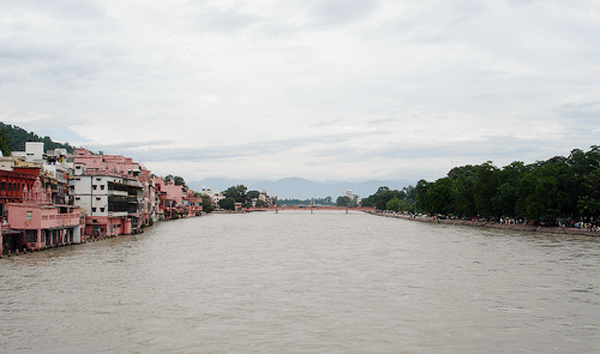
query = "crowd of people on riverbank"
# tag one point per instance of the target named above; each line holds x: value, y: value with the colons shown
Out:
x: 563, y: 227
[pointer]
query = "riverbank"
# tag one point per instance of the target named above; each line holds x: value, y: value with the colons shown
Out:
x: 476, y: 223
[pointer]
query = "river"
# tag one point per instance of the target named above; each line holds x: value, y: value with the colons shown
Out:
x: 296, y: 282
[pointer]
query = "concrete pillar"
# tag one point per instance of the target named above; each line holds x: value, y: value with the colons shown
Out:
x: 77, y: 234
x: 39, y: 239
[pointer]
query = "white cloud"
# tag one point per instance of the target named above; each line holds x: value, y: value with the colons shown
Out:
x: 310, y: 89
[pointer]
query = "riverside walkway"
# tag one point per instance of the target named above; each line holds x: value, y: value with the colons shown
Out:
x: 479, y: 223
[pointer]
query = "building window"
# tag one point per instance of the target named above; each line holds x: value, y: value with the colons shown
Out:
x: 102, y: 187
x: 93, y: 210
x: 94, y: 186
x: 29, y: 216
x: 77, y: 198
x: 97, y: 198
x: 3, y: 186
x: 102, y: 210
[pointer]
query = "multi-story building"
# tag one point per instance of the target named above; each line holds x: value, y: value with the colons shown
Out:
x: 171, y: 198
x: 193, y: 204
x: 15, y: 176
x: 110, y: 194
x: 109, y: 190
x: 55, y: 170
x: 37, y: 223
x: 215, y: 197
x: 34, y: 152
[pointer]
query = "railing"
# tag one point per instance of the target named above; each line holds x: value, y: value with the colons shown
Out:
x: 61, y: 219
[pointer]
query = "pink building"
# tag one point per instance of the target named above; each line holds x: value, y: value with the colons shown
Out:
x: 193, y: 205
x: 113, y: 192
x: 41, y: 224
x: 171, y: 198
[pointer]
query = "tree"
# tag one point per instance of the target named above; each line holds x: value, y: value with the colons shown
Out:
x: 463, y: 181
x: 484, y: 189
x: 507, y: 194
x: 17, y: 137
x: 206, y: 203
x: 227, y: 203
x: 543, y: 191
x: 4, y: 142
x: 253, y: 194
x: 382, y: 196
x: 343, y: 201
x: 261, y: 204
x: 588, y: 202
x: 177, y: 180
x: 441, y: 197
x: 423, y: 198
x: 393, y: 204
x: 238, y: 194
x: 411, y: 198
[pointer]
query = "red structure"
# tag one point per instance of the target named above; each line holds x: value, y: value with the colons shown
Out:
x: 37, y: 223
x: 13, y: 183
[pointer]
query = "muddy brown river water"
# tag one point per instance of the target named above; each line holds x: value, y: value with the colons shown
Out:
x: 295, y: 282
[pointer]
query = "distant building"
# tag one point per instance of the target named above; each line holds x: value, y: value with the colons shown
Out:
x: 215, y: 197
x: 350, y: 194
x: 34, y: 152
x: 192, y: 204
x: 171, y: 198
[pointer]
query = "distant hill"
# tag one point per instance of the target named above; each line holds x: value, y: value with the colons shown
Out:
x: 17, y: 137
x: 300, y: 188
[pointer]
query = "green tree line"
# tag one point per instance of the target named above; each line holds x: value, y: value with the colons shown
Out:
x: 240, y: 194
x: 394, y: 200
x: 13, y: 138
x: 544, y: 191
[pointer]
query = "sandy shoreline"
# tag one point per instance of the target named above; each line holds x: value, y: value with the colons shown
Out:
x: 519, y: 227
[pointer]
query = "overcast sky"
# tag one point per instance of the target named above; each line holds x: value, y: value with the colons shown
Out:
x: 325, y: 90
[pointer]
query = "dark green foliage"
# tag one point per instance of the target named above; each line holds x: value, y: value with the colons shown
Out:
x: 507, y: 192
x: 544, y: 191
x: 441, y: 196
x: 207, y: 206
x: 386, y: 199
x: 177, y: 180
x: 17, y: 137
x: 484, y: 188
x: 239, y: 195
x: 343, y: 201
x: 253, y: 194
x: 261, y: 204
x: 227, y: 204
x: 4, y: 142
x: 395, y: 204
